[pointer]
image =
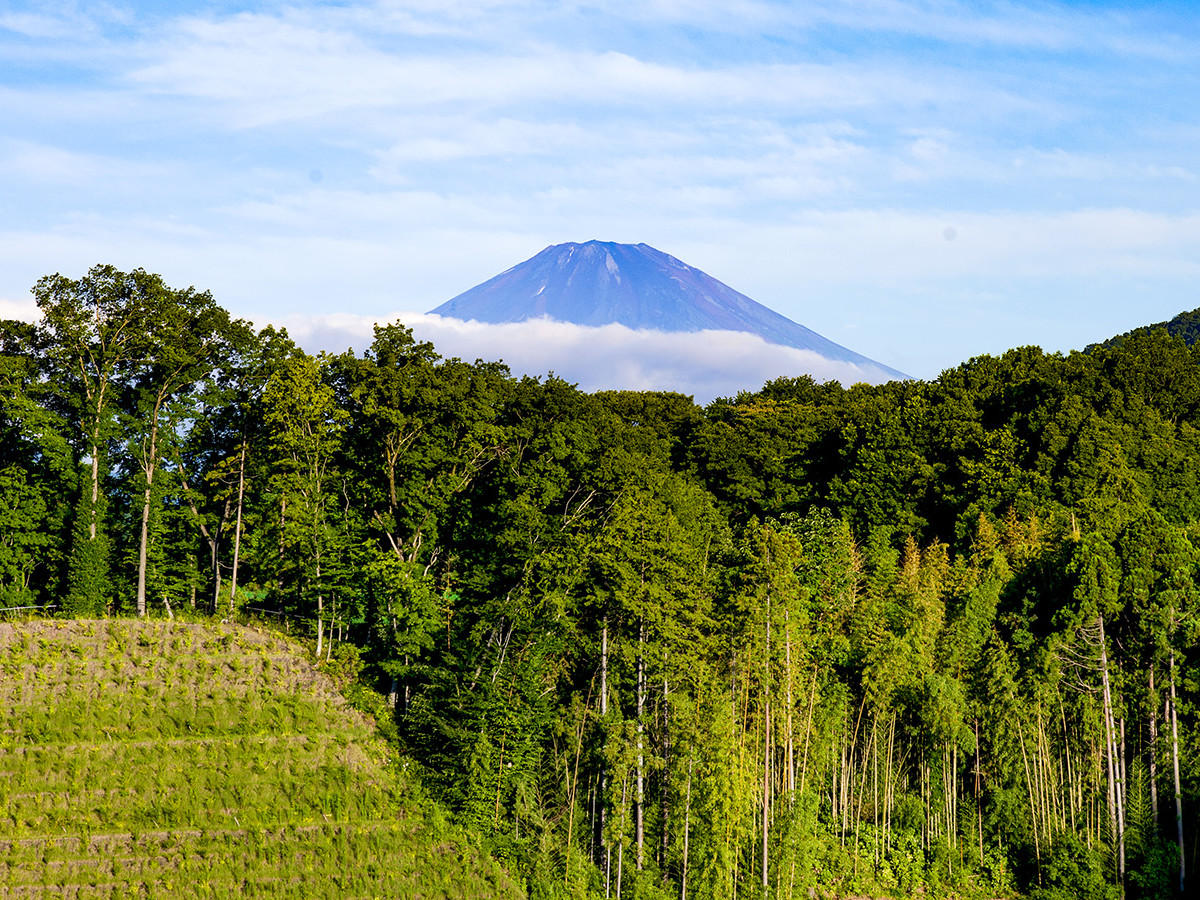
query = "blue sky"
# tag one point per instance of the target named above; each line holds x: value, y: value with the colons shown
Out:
x: 920, y: 180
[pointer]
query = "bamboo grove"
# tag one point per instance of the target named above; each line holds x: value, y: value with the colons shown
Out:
x: 928, y: 636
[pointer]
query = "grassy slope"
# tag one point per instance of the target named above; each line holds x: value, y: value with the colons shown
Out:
x: 176, y: 760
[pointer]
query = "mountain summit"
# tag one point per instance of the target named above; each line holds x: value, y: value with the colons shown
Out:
x: 599, y: 283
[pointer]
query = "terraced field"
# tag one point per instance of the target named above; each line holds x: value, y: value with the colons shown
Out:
x: 166, y: 759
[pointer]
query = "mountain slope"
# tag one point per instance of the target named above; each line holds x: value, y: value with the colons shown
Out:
x: 598, y: 282
x: 177, y: 760
x: 1186, y: 325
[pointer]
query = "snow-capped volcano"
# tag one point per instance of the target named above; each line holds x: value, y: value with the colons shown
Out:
x: 599, y: 283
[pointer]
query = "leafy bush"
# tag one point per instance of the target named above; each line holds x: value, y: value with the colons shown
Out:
x: 1073, y: 871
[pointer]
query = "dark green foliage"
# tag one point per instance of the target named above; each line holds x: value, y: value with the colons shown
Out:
x: 932, y: 628
x: 89, y: 589
x: 1074, y: 872
x: 1185, y: 326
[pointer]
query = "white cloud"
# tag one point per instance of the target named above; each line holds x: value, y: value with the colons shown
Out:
x: 36, y: 26
x: 886, y: 248
x: 261, y: 70
x: 23, y: 310
x: 705, y: 364
x: 46, y: 163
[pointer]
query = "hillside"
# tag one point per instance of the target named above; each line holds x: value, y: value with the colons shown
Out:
x: 1186, y: 325
x: 169, y: 759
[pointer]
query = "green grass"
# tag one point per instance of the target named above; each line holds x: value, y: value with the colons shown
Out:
x: 169, y: 759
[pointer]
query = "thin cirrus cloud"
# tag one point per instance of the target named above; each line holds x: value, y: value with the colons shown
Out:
x: 265, y: 69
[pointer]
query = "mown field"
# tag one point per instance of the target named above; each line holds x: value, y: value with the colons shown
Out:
x: 168, y: 759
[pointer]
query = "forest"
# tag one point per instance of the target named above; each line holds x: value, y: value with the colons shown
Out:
x: 932, y: 637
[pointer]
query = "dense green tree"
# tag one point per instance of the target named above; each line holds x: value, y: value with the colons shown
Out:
x: 189, y: 336
x: 304, y: 429
x: 931, y: 638
x: 96, y: 331
x: 36, y: 470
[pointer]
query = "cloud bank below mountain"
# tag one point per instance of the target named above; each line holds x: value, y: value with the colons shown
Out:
x: 704, y: 364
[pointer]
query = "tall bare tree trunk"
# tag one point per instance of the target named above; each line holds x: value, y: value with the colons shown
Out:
x: 215, y: 561
x: 237, y: 529
x: 875, y: 787
x: 1114, y: 769
x: 603, y: 770
x: 889, y: 784
x: 150, y: 461
x: 790, y: 783
x: 766, y: 778
x: 1037, y: 846
x: 573, y: 787
x: 1123, y: 787
x: 665, y: 808
x: 1153, y: 751
x: 320, y: 612
x: 640, y: 799
x: 979, y: 794
x: 1175, y: 766
x: 92, y: 513
x: 812, y: 701
x: 621, y: 843
x: 687, y: 821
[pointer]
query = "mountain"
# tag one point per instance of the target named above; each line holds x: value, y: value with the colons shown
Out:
x: 599, y: 282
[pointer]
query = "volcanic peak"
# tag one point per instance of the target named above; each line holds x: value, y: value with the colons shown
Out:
x: 602, y: 282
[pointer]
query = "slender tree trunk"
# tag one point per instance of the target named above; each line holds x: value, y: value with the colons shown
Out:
x: 1037, y: 846
x: 333, y: 626
x: 572, y: 792
x: 1153, y: 751
x: 845, y: 788
x: 621, y: 843
x: 640, y: 799
x: 979, y: 794
x: 875, y: 787
x: 812, y: 700
x: 1114, y: 770
x: 1045, y: 787
x: 320, y: 612
x: 215, y: 561
x: 833, y: 785
x: 1123, y: 786
x: 1175, y: 767
x: 282, y: 527
x: 665, y: 785
x: 603, y: 769
x: 766, y: 799
x: 954, y: 797
x: 93, y: 513
x: 890, y: 791
x: 790, y: 783
x: 1070, y: 784
x: 687, y: 821
x: 150, y: 461
x: 766, y: 777
x: 237, y: 529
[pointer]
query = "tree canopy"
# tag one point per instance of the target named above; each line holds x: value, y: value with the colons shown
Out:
x: 927, y: 636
